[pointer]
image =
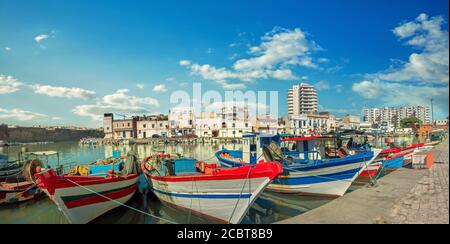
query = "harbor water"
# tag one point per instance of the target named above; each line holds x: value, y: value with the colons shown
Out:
x: 270, y: 207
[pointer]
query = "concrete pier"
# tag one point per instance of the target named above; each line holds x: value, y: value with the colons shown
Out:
x: 404, y: 196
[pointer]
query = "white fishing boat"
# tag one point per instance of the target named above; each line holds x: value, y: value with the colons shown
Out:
x: 221, y: 195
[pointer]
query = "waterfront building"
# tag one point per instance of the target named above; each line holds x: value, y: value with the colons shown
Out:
x: 124, y: 129
x: 236, y: 121
x: 152, y: 126
x: 208, y: 124
x: 265, y: 124
x: 302, y: 99
x: 393, y: 115
x: 181, y: 121
x: 349, y: 122
x: 108, y: 125
x: 119, y: 129
x: 321, y: 122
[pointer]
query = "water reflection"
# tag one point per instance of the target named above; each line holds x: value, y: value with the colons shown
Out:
x: 269, y: 208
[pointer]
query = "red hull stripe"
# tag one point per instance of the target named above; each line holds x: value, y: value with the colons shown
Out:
x: 264, y: 170
x: 90, y: 199
x: 62, y: 182
x: 371, y: 173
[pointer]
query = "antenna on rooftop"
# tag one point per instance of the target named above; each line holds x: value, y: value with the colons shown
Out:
x: 123, y: 116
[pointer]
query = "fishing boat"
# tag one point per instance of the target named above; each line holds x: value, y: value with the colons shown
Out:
x: 307, y: 170
x: 207, y: 190
x: 395, y: 162
x: 83, y: 195
x: 371, y: 171
x: 21, y: 188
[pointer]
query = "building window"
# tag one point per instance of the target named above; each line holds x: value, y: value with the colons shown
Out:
x: 128, y: 124
x: 107, y: 128
x: 153, y: 126
x: 144, y: 126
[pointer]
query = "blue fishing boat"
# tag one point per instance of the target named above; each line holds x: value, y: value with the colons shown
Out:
x: 393, y: 163
x: 307, y: 169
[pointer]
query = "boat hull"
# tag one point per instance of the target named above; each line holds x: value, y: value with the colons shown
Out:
x: 327, y: 181
x: 393, y: 163
x: 371, y: 171
x: 82, y: 199
x: 21, y: 194
x: 223, y: 197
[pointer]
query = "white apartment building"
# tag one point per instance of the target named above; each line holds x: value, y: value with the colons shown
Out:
x: 181, y: 121
x: 235, y: 121
x: 312, y: 122
x: 265, y: 124
x: 208, y: 124
x: 392, y: 116
x: 152, y: 126
x: 302, y: 99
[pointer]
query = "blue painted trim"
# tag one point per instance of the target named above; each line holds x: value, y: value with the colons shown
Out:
x: 394, y: 163
x: 306, y: 180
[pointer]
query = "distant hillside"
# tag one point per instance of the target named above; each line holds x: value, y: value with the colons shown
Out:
x: 29, y: 134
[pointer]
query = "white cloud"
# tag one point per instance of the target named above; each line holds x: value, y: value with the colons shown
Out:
x: 160, y: 88
x: 397, y: 94
x: 323, y: 60
x: 322, y: 85
x: 41, y: 37
x: 428, y: 66
x: 8, y: 49
x: 280, y: 47
x: 140, y: 86
x: 209, y: 50
x: 19, y: 114
x: 118, y: 102
x: 9, y: 84
x: 185, y: 62
x: 56, y: 118
x: 170, y: 79
x: 423, y: 77
x: 65, y: 92
x: 279, y: 51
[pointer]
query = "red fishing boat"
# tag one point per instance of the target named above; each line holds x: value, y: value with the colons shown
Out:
x: 84, y: 198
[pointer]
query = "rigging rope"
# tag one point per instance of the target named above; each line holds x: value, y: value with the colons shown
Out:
x: 242, y: 190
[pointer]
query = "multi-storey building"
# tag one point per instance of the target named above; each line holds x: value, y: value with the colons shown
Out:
x: 392, y: 116
x: 182, y: 121
x: 235, y: 121
x: 302, y: 99
x: 152, y: 126
x: 312, y: 123
x: 124, y: 128
x: 108, y: 125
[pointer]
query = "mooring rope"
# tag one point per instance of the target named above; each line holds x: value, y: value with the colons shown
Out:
x: 242, y: 190
x: 122, y: 204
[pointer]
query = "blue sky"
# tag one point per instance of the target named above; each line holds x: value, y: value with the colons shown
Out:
x: 67, y: 62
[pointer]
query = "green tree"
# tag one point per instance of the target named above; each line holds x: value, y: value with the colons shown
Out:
x: 409, y: 122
